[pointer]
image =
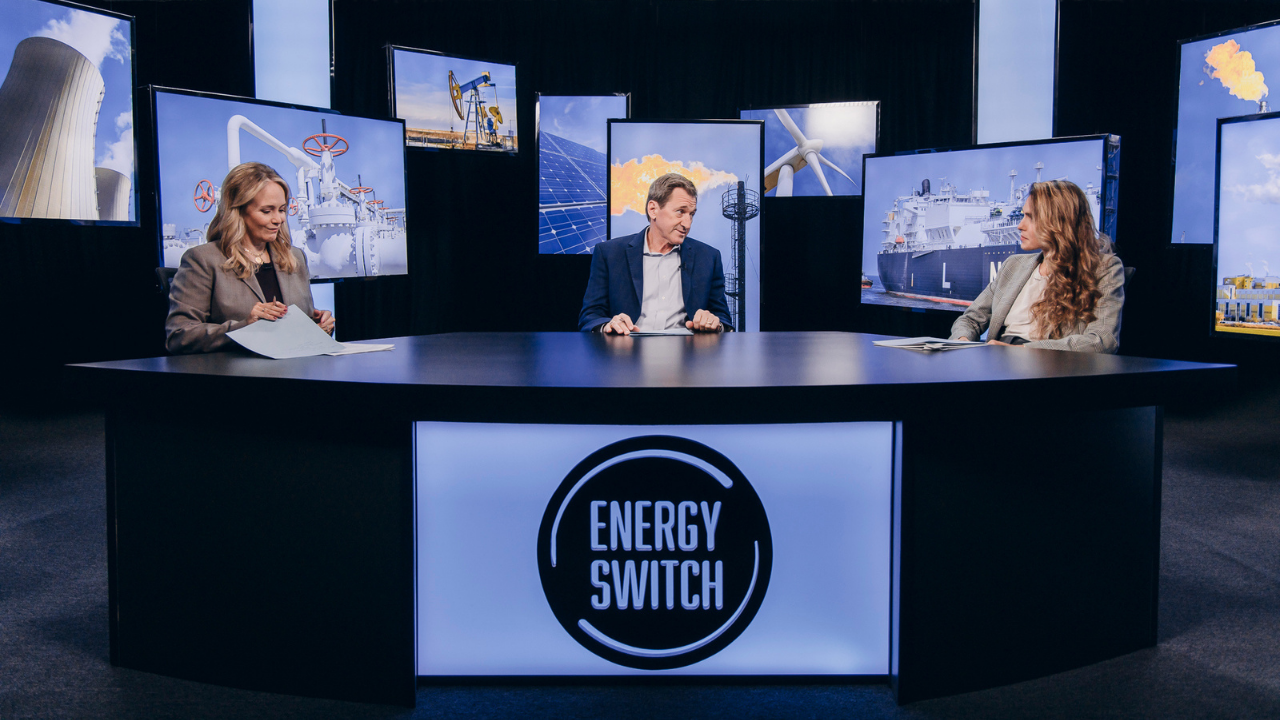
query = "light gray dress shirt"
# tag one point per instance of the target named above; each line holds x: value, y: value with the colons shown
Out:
x: 662, y: 306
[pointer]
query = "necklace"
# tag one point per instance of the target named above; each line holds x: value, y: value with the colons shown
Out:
x: 259, y: 258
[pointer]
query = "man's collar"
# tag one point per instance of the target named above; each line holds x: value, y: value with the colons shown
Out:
x: 644, y: 246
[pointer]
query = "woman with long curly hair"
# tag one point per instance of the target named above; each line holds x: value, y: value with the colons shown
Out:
x: 1067, y: 296
x: 247, y: 271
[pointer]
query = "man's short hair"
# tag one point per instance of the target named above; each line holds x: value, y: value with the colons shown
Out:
x: 661, y: 189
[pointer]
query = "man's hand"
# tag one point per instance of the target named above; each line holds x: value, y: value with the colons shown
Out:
x: 267, y: 311
x: 704, y: 321
x: 324, y: 319
x: 619, y: 325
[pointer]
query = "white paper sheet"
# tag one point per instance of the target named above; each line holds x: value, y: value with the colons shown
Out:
x: 292, y: 336
x: 928, y: 344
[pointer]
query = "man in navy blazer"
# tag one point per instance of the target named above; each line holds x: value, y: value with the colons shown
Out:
x: 659, y: 278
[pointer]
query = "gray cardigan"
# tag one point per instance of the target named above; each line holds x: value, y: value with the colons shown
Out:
x: 992, y: 306
x: 206, y: 302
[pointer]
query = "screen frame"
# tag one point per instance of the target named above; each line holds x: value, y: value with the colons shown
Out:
x: 1104, y: 196
x: 152, y: 91
x: 391, y: 96
x: 753, y: 108
x: 760, y: 184
x: 133, y: 108
x: 1057, y: 45
x: 253, y: 57
x: 1214, y: 332
x: 537, y: 154
x: 1173, y: 149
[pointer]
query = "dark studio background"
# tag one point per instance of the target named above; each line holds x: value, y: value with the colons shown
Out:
x: 73, y: 293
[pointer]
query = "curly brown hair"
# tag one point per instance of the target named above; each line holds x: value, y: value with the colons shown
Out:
x: 1074, y: 251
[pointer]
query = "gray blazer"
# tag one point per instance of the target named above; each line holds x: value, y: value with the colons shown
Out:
x: 206, y: 302
x: 992, y: 307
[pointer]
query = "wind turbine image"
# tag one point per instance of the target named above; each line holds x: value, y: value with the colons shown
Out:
x: 781, y: 172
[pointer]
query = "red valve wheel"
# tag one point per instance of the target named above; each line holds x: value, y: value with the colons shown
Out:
x: 204, y: 196
x: 293, y: 206
x: 362, y: 190
x: 374, y: 202
x: 326, y: 141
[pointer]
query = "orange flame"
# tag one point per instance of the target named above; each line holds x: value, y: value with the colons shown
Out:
x: 630, y: 181
x: 1236, y: 70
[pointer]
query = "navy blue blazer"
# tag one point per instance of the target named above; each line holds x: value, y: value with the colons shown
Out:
x: 617, y: 281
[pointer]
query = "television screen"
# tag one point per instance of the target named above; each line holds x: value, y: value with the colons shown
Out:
x: 66, y: 113
x: 723, y: 158
x: 817, y: 149
x: 346, y: 176
x: 937, y: 225
x: 573, y: 135
x: 1248, y: 293
x: 1219, y: 77
x: 291, y: 51
x: 452, y: 103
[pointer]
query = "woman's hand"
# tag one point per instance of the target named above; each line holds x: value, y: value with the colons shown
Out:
x: 324, y: 319
x: 997, y: 342
x: 267, y: 311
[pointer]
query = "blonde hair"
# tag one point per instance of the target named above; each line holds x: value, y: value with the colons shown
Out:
x: 227, y: 229
x: 1074, y: 251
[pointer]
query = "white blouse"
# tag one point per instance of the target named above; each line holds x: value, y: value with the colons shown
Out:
x: 1020, y: 322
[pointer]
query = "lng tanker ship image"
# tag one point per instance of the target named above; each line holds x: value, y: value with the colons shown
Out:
x: 948, y: 246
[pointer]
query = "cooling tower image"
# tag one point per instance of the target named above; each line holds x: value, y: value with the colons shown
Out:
x: 113, y: 194
x: 49, y: 112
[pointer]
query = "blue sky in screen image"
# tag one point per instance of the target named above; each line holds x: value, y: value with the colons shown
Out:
x: 422, y: 90
x: 1202, y: 99
x: 291, y: 51
x: 979, y: 169
x: 192, y: 137
x: 581, y: 119
x: 1249, y: 206
x: 1016, y: 57
x: 847, y: 132
x: 105, y: 42
x: 727, y: 152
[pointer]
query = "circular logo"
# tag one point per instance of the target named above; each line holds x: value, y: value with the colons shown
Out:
x: 655, y: 552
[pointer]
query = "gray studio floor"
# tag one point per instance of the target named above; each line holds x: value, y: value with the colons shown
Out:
x: 1218, y: 654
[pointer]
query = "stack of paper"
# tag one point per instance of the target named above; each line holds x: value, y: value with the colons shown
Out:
x: 295, y: 335
x: 928, y: 344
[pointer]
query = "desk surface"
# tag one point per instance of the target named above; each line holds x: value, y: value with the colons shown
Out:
x: 735, y: 377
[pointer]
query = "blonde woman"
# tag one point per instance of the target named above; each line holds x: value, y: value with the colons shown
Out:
x: 1068, y: 296
x: 246, y: 272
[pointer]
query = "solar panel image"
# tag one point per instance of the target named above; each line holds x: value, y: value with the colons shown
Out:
x: 571, y: 197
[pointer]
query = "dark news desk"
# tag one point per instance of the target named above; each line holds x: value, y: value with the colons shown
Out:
x: 262, y: 513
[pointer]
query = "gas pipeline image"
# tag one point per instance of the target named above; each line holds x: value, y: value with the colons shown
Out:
x: 346, y: 177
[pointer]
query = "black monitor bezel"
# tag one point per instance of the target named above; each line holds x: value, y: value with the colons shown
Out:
x: 1214, y: 332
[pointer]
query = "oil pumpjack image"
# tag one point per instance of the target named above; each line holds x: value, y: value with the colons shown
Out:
x: 49, y: 107
x: 484, y: 120
x: 344, y: 230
